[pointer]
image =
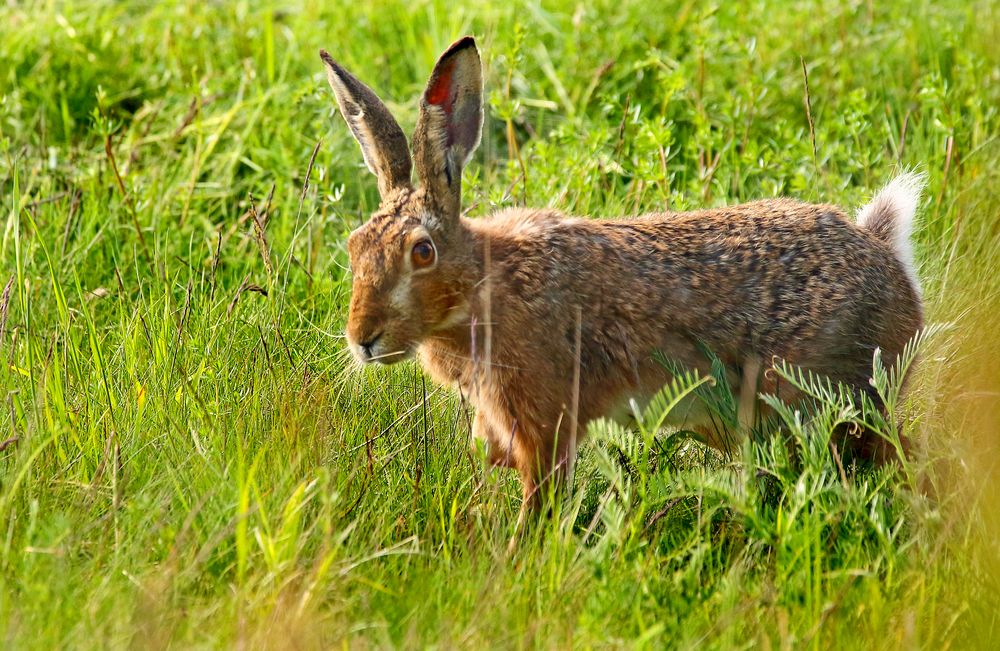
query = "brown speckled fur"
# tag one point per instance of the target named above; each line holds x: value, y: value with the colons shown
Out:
x: 498, y: 313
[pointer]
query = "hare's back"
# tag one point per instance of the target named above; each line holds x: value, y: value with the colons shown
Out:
x: 797, y: 280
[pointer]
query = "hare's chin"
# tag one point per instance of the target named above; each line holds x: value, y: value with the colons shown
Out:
x: 388, y: 359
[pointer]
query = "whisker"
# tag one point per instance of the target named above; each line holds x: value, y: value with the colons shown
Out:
x: 467, y: 358
x: 394, y: 353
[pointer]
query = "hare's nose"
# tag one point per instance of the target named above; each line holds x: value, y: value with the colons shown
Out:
x: 367, y: 346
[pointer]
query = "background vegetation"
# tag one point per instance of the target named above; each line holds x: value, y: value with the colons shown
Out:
x: 189, y: 458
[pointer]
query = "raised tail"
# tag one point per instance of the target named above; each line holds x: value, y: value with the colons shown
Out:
x: 890, y: 216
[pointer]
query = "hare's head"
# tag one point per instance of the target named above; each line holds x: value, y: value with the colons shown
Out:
x: 411, y: 260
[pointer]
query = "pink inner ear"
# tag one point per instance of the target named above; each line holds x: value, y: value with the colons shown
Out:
x: 439, y: 94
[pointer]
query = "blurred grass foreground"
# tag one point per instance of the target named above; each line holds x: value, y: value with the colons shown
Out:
x: 189, y: 459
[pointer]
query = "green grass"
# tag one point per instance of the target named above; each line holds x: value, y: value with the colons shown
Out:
x: 200, y: 466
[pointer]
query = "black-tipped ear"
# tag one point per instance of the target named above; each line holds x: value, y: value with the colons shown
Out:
x: 383, y: 143
x: 450, y: 123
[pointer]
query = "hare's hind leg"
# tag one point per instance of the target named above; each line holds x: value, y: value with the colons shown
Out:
x: 746, y: 386
x: 747, y: 397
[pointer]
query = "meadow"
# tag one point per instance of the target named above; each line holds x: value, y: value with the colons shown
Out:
x: 190, y: 458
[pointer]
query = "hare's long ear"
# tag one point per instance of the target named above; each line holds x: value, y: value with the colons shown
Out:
x: 383, y: 143
x: 450, y: 124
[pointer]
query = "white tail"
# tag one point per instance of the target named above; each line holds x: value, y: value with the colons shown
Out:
x: 890, y: 216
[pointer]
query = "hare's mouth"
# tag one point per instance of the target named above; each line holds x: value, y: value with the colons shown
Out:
x: 388, y: 358
x: 378, y: 350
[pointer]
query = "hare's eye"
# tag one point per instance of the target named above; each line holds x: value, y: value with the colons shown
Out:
x: 422, y: 254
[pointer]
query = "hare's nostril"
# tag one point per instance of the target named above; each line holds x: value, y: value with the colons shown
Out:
x: 367, y: 346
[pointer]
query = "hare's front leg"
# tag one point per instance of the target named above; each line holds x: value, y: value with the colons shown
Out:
x: 542, y: 461
x: 498, y: 450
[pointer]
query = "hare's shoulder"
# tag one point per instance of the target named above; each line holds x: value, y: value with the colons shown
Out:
x: 514, y: 222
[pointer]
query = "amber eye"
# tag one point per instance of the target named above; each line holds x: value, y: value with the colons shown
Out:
x: 422, y: 254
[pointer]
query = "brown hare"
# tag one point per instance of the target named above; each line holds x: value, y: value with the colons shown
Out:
x: 546, y: 322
